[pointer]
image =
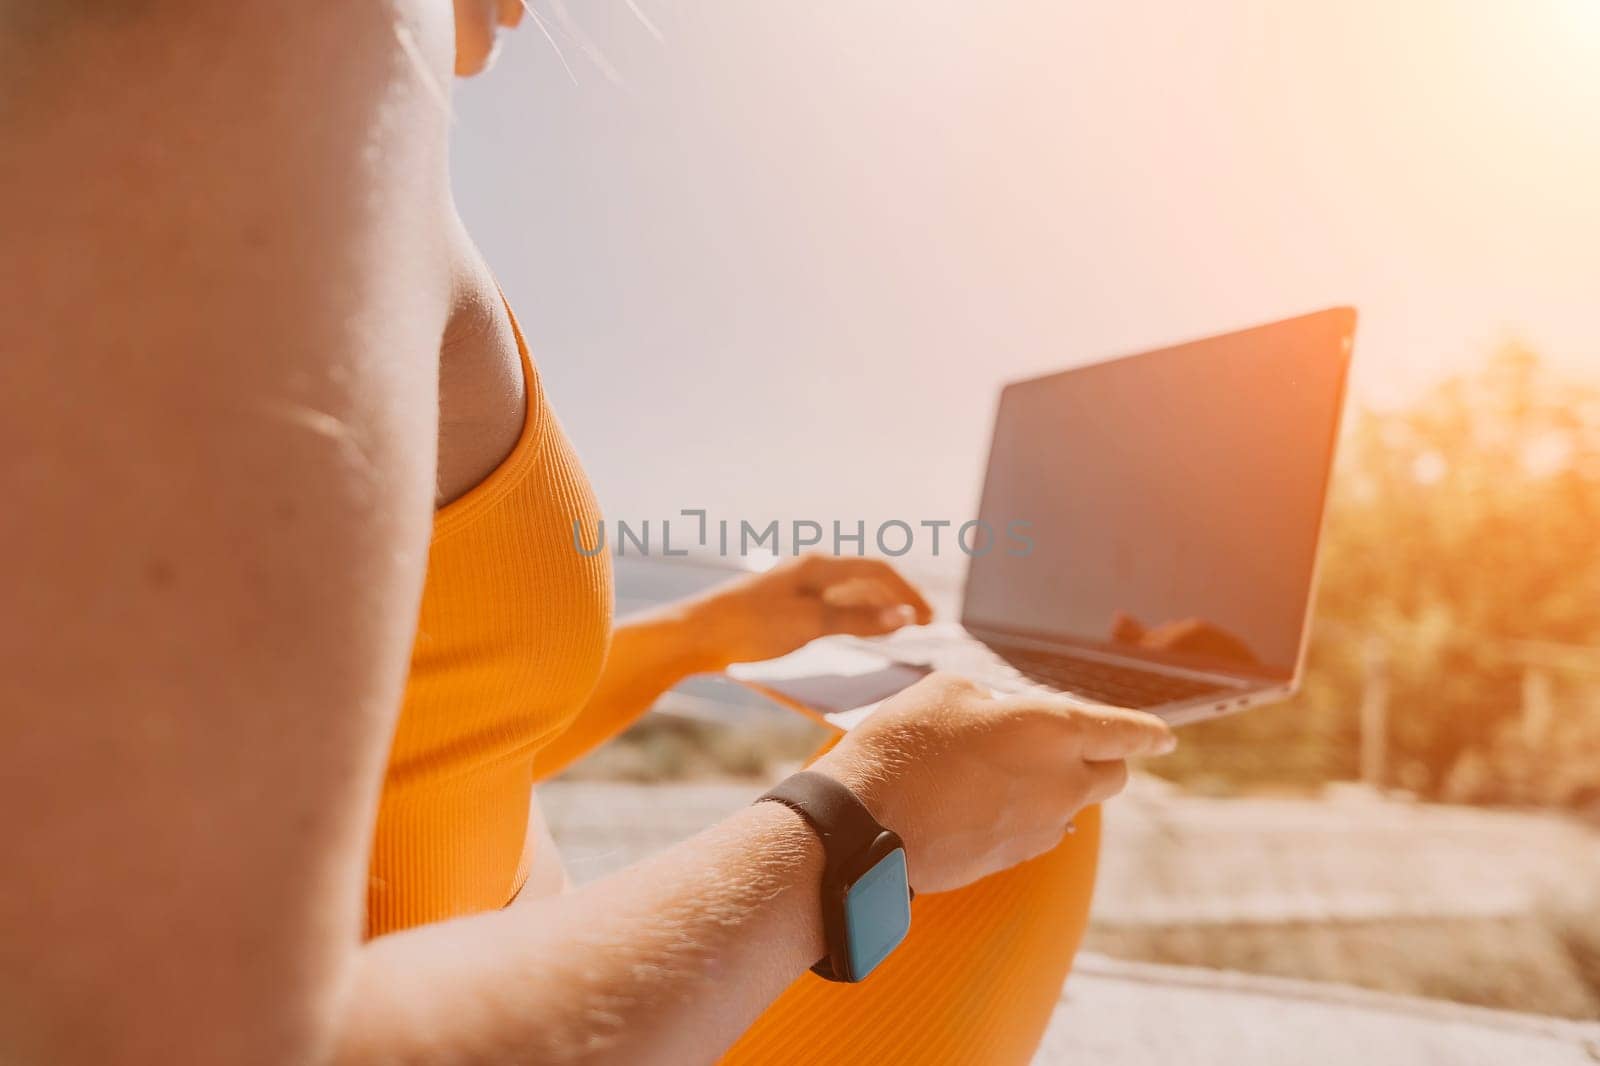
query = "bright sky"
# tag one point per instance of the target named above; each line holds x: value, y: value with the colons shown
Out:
x: 779, y: 266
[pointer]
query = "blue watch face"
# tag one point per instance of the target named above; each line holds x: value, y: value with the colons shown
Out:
x: 877, y: 912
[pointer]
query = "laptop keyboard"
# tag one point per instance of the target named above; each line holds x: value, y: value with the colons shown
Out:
x: 1104, y: 682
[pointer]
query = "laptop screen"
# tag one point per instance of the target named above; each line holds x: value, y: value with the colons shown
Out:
x: 1166, y: 505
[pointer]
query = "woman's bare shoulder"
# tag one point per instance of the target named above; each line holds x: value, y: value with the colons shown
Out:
x: 275, y: 71
x: 144, y: 89
x: 204, y: 41
x: 279, y: 136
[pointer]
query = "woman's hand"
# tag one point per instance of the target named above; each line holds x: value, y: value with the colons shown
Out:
x: 974, y: 784
x: 766, y: 615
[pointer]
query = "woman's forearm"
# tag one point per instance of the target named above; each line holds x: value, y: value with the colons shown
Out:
x: 650, y: 653
x: 752, y: 617
x: 668, y: 961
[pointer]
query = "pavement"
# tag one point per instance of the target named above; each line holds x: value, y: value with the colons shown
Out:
x: 1172, y: 860
x: 1116, y: 1013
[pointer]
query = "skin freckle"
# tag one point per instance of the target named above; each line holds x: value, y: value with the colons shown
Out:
x: 160, y: 573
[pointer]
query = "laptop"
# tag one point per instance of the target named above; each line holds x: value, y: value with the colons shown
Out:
x: 1147, y: 535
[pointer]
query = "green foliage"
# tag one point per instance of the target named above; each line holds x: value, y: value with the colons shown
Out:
x: 1463, y: 548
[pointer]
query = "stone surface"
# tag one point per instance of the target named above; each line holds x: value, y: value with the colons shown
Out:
x: 1117, y: 1013
x: 1176, y: 860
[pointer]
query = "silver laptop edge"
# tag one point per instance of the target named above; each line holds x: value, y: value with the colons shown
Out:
x: 1240, y: 689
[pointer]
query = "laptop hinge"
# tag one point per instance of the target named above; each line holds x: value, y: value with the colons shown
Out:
x: 993, y: 637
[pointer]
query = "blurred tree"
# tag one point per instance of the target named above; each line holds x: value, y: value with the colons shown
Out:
x: 1460, y: 529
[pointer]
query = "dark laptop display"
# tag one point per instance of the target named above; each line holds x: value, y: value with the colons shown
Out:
x: 1174, y: 500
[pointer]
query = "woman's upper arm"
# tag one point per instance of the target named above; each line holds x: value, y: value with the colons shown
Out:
x: 222, y: 296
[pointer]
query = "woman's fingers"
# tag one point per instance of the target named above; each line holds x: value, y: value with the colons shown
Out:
x: 1098, y: 734
x: 862, y: 592
x: 867, y: 621
x: 854, y: 577
x: 1079, y: 783
x: 974, y: 783
x: 1105, y: 779
x: 865, y: 607
x: 1114, y: 733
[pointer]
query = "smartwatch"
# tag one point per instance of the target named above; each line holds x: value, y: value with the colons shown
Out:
x: 866, y: 897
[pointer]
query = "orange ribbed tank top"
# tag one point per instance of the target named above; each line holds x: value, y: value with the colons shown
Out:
x: 510, y: 640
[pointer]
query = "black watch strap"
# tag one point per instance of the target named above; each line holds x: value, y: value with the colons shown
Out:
x: 839, y: 818
x: 843, y: 823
